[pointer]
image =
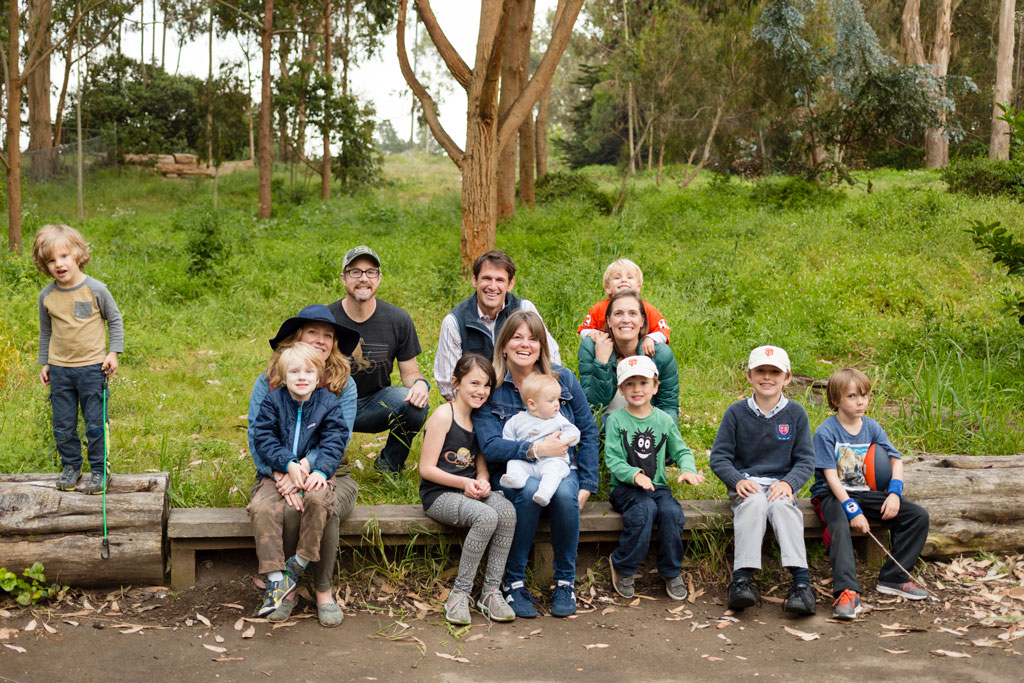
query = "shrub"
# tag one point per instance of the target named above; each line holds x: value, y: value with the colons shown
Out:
x: 793, y: 192
x: 982, y: 176
x: 902, y: 158
x: 31, y: 589
x: 1006, y: 251
x: 559, y: 185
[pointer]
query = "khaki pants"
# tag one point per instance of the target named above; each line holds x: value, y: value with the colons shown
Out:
x: 267, y: 514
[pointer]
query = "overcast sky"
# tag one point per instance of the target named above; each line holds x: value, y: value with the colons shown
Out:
x: 380, y: 81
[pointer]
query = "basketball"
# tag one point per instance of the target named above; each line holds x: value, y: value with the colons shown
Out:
x: 877, y: 468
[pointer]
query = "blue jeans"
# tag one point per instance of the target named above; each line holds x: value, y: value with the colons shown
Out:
x: 641, y: 510
x: 71, y: 388
x: 386, y: 410
x: 565, y: 528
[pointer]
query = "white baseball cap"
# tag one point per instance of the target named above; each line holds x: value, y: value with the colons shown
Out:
x: 769, y: 355
x: 636, y: 366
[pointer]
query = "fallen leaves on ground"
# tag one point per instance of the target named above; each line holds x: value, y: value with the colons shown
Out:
x: 249, y: 632
x: 896, y: 652
x: 16, y: 648
x: 593, y: 646
x: 951, y: 653
x: 802, y: 635
x: 445, y: 655
x: 215, y: 648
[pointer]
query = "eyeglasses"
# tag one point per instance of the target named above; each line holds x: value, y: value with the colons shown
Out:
x: 356, y: 273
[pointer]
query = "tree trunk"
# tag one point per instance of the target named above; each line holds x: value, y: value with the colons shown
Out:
x: 58, y: 122
x: 325, y: 162
x: 265, y: 167
x: 13, y: 84
x: 526, y: 143
x: 689, y: 177
x: 479, y: 186
x: 40, y: 129
x: 970, y: 502
x: 506, y: 178
x: 209, y: 104
x: 936, y: 140
x: 540, y: 135
x: 999, y: 143
x: 283, y: 49
x: 64, y: 531
x: 142, y: 41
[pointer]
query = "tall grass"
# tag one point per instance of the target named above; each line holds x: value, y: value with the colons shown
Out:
x: 886, y: 280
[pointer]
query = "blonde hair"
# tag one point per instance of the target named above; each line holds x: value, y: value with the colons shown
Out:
x: 50, y: 237
x: 531, y: 387
x: 300, y: 353
x: 337, y: 368
x: 625, y: 265
x: 841, y: 379
x: 536, y: 327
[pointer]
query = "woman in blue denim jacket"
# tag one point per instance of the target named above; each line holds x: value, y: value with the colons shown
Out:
x: 316, y: 326
x: 520, y: 350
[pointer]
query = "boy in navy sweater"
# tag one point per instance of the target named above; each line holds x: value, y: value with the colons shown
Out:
x: 293, y: 420
x: 764, y: 455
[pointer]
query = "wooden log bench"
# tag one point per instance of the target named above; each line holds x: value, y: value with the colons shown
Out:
x: 193, y: 529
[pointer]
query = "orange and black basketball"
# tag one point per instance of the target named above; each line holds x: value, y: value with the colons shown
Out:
x: 877, y: 467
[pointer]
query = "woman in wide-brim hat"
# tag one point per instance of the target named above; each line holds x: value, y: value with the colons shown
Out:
x: 316, y: 326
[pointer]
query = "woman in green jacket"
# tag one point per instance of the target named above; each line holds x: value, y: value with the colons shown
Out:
x: 600, y: 353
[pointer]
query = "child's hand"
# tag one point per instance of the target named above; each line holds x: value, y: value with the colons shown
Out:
x: 296, y: 474
x: 485, y: 486
x: 44, y: 375
x: 860, y: 523
x: 643, y: 481
x: 110, y: 364
x: 746, y: 488
x: 692, y: 478
x: 647, y: 345
x: 288, y: 491
x: 471, y: 487
x: 891, y: 506
x: 315, y: 481
x: 304, y: 464
x: 780, y: 489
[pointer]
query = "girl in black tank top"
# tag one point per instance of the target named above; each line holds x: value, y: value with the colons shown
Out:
x: 458, y: 457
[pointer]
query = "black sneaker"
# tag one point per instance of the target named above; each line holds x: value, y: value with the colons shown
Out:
x: 68, y: 478
x: 800, y: 599
x: 98, y: 483
x: 742, y: 594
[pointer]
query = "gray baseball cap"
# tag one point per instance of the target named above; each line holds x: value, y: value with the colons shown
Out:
x: 356, y: 252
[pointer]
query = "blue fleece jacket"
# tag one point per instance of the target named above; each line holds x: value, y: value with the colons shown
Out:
x: 322, y: 426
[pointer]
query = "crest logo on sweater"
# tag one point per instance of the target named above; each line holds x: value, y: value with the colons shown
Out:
x: 783, y: 432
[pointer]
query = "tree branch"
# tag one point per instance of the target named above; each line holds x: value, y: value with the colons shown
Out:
x: 426, y: 102
x: 489, y: 48
x: 560, y: 34
x: 35, y: 59
x: 258, y: 23
x: 458, y: 68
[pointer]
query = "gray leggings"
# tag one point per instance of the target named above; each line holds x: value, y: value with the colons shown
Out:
x: 492, y: 519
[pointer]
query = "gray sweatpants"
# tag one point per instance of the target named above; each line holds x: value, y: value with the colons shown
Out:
x: 749, y: 520
x: 490, y: 520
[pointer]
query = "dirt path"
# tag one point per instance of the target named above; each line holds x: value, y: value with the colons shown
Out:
x: 656, y: 639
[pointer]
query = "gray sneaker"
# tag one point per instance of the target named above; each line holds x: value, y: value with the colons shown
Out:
x: 622, y: 583
x: 68, y: 479
x: 494, y: 607
x: 675, y: 588
x: 907, y: 589
x: 98, y: 483
x: 456, y: 608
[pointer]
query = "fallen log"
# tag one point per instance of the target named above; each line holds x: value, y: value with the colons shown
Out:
x: 973, y: 501
x: 64, y: 529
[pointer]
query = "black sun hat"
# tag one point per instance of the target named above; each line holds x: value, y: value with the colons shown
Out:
x: 346, y: 338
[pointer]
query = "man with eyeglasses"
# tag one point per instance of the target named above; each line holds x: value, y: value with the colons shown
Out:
x: 387, y: 334
x: 474, y: 324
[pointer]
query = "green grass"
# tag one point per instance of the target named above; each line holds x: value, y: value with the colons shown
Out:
x: 885, y: 280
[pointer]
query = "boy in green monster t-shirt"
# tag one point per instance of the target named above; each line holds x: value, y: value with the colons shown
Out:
x: 639, y: 442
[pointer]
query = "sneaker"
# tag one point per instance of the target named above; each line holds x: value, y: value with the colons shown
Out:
x: 98, y: 483
x: 518, y: 597
x: 676, y: 588
x: 563, y: 600
x: 847, y: 606
x: 622, y: 583
x: 456, y: 608
x: 293, y: 568
x: 800, y: 599
x: 385, y: 468
x: 68, y: 478
x: 283, y: 610
x: 277, y: 592
x: 907, y: 589
x: 494, y: 607
x: 742, y: 594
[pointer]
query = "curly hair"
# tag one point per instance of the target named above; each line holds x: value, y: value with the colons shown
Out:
x: 338, y: 368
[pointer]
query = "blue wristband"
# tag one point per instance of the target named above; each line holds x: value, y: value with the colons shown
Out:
x: 422, y: 379
x: 896, y: 486
x: 851, y: 508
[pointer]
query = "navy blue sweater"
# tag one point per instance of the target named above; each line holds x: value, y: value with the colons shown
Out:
x: 751, y: 445
x: 323, y: 426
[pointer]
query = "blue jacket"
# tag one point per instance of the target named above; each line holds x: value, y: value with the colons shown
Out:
x: 505, y: 402
x: 600, y: 381
x: 345, y: 406
x: 475, y: 337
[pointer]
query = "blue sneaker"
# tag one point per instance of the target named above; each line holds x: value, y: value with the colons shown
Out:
x: 277, y: 593
x: 518, y: 597
x: 563, y: 600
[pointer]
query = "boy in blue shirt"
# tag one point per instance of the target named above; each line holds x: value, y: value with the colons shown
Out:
x: 845, y: 500
x: 763, y: 454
